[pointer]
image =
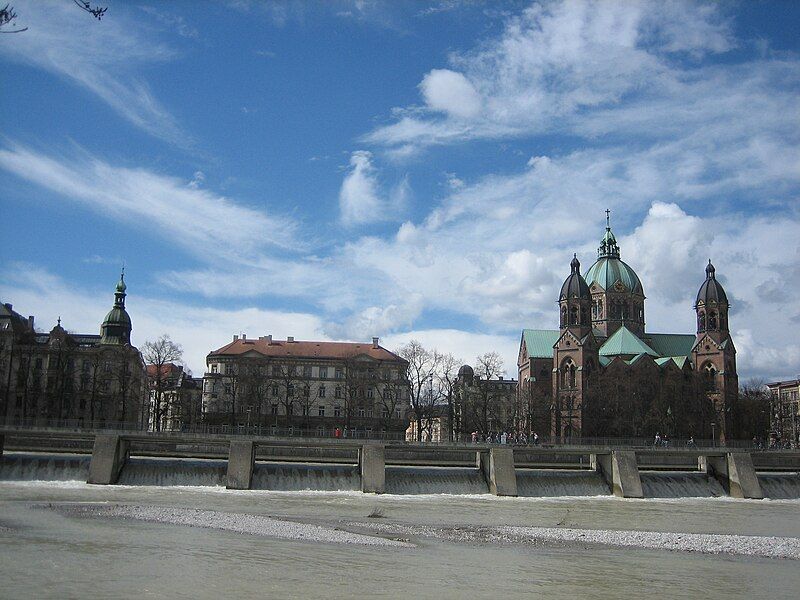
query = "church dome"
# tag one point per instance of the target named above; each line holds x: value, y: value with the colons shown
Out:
x: 711, y: 292
x: 610, y: 269
x: 117, y: 316
x: 465, y: 371
x: 574, y: 285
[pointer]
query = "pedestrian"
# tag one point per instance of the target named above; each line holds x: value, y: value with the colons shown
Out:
x: 474, y: 437
x: 503, y: 438
x: 535, y: 439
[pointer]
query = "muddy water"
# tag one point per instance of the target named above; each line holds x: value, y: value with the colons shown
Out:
x: 46, y: 555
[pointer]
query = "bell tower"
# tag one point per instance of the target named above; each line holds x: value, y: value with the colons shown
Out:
x: 575, y: 354
x: 714, y: 355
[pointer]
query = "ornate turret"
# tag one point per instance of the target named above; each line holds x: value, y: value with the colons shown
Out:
x: 116, y: 328
x: 714, y: 355
x: 574, y: 299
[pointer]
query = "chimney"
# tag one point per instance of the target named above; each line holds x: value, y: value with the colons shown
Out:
x: 30, y: 321
x: 375, y: 341
x: 290, y: 338
x: 235, y: 338
x: 500, y: 378
x: 269, y: 338
x: 244, y: 336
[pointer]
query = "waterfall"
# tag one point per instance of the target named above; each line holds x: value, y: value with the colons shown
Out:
x: 780, y: 485
x: 305, y: 476
x: 679, y: 484
x: 173, y: 471
x: 44, y: 467
x: 435, y: 480
x: 552, y: 482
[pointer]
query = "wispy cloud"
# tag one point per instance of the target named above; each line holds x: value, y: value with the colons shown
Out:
x: 360, y: 198
x: 102, y: 58
x: 206, y: 224
x: 559, y: 60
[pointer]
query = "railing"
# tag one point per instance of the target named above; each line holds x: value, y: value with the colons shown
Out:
x: 79, y: 425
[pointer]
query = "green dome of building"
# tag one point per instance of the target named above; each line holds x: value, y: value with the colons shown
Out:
x: 609, y: 268
x: 116, y: 328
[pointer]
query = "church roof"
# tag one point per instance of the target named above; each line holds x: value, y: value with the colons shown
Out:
x: 625, y: 342
x: 540, y: 342
x: 671, y: 344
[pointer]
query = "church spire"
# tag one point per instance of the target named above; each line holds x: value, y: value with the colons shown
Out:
x: 608, y: 245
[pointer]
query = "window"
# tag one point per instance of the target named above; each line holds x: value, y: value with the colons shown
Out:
x: 385, y: 413
x: 86, y: 365
x: 323, y: 372
x: 276, y: 370
x: 306, y: 371
x: 701, y: 321
x: 228, y: 369
x: 228, y: 389
x: 337, y: 392
x: 573, y: 315
x: 305, y: 410
x: 321, y: 391
x: 712, y: 320
x: 306, y: 391
x: 337, y: 411
x: 290, y: 390
x: 214, y: 368
x: 370, y: 393
x: 361, y: 411
x: 274, y: 408
x: 339, y: 373
x: 321, y: 411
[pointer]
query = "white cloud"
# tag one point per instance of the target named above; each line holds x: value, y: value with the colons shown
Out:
x: 209, y: 225
x: 361, y: 200
x: 585, y: 67
x: 450, y: 92
x: 100, y: 57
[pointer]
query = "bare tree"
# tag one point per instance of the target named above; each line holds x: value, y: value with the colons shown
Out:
x: 485, y: 406
x: 421, y: 373
x: 160, y: 354
x: 8, y: 15
x: 446, y: 374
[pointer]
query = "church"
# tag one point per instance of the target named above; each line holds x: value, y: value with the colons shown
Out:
x: 602, y: 374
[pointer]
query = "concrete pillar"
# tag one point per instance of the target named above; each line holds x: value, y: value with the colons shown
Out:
x: 620, y: 471
x: 108, y: 457
x: 735, y: 472
x: 372, y: 463
x: 498, y: 469
x: 241, y: 456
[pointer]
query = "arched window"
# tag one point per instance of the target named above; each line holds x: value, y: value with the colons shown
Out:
x: 584, y: 316
x: 573, y: 315
x: 710, y: 376
x: 568, y: 376
x: 563, y: 315
x: 701, y: 321
x: 712, y: 320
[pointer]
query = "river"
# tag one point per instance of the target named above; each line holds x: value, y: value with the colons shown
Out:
x: 46, y: 553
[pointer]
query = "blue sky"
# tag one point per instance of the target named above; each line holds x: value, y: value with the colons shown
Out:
x: 408, y: 170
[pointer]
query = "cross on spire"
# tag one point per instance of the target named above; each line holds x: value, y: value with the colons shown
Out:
x: 608, y: 218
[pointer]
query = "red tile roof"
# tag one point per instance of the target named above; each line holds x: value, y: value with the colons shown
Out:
x: 305, y: 349
x: 167, y: 370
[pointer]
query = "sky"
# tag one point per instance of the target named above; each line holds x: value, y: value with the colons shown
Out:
x: 409, y: 170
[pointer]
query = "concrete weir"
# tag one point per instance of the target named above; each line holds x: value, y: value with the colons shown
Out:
x: 735, y: 471
x: 241, y: 456
x: 497, y: 466
x: 372, y: 464
x: 621, y: 472
x: 108, y: 457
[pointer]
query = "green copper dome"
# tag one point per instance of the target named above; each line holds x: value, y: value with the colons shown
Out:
x: 610, y: 269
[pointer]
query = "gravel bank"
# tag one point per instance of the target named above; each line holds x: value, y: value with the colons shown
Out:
x: 704, y: 543
x: 237, y: 522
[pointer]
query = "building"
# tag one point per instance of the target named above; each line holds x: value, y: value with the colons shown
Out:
x: 602, y: 373
x: 86, y: 379
x: 484, y: 405
x: 785, y: 412
x: 175, y: 398
x: 293, y: 386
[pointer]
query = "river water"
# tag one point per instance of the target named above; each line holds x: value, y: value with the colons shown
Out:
x: 47, y: 554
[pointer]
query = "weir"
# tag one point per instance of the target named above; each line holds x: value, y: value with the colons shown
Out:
x: 142, y: 458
